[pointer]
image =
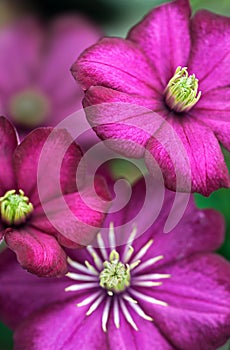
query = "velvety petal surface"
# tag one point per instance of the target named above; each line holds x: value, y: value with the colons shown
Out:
x: 37, y: 252
x: 22, y: 293
x: 164, y: 37
x: 204, y: 169
x: 38, y: 331
x: 46, y: 159
x: 210, y: 38
x: 74, y: 218
x: 213, y: 109
x: 125, y: 121
x: 118, y: 64
x: 8, y: 143
x: 198, y: 295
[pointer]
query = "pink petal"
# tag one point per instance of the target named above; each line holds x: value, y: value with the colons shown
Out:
x: 37, y: 252
x: 77, y: 330
x: 68, y: 37
x: 38, y: 166
x: 117, y: 64
x: 147, y: 336
x: 20, y: 46
x: 8, y: 143
x: 210, y: 38
x: 125, y: 121
x: 205, y: 170
x: 17, y: 301
x: 213, y: 109
x: 73, y: 221
x: 198, y: 298
x: 164, y: 37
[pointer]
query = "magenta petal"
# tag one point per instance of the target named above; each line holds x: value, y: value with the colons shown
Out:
x: 164, y: 37
x: 38, y: 331
x: 206, y: 170
x: 8, y: 143
x: 19, y: 64
x: 37, y: 252
x: 117, y: 64
x: 71, y: 219
x: 213, y: 110
x: 198, y: 298
x: 125, y: 338
x: 210, y: 38
x: 122, y: 120
x: 16, y: 306
x: 34, y: 163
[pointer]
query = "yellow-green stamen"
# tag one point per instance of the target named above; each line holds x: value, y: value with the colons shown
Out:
x: 15, y: 208
x: 181, y: 93
x: 115, y: 276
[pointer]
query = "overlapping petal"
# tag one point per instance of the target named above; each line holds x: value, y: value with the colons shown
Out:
x: 118, y: 64
x: 165, y: 38
x: 210, y: 34
x: 205, y: 171
x: 37, y: 252
x: 8, y: 143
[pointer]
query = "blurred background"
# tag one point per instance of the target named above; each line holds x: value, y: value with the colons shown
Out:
x: 54, y: 25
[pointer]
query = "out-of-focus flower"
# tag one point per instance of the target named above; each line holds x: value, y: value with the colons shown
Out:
x: 36, y: 87
x: 160, y: 291
x: 23, y: 223
x: 178, y: 67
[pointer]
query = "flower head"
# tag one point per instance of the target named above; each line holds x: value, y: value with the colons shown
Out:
x: 136, y: 295
x: 164, y: 66
x: 40, y: 91
x: 34, y: 221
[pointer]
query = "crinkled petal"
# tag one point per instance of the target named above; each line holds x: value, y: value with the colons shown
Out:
x: 164, y: 37
x: 16, y: 300
x: 213, y: 109
x: 8, y: 143
x: 43, y: 170
x: 37, y: 252
x: 117, y: 64
x: 210, y: 38
x: 74, y: 218
x: 76, y: 329
x: 198, y: 297
x: 203, y: 170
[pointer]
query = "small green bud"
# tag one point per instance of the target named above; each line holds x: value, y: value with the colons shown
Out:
x: 15, y: 208
x: 181, y: 93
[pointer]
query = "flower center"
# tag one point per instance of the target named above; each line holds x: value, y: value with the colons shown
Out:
x: 15, y: 208
x: 29, y: 108
x: 115, y: 276
x: 181, y: 93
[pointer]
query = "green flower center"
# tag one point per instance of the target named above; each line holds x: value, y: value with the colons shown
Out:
x: 181, y: 93
x: 15, y: 208
x: 29, y: 108
x: 115, y: 276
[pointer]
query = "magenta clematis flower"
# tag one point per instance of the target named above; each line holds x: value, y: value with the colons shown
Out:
x: 24, y: 224
x: 36, y: 87
x: 158, y: 291
x: 178, y: 67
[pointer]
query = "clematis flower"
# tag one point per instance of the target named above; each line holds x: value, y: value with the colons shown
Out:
x: 36, y: 87
x: 158, y: 291
x: 178, y: 67
x: 25, y: 226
